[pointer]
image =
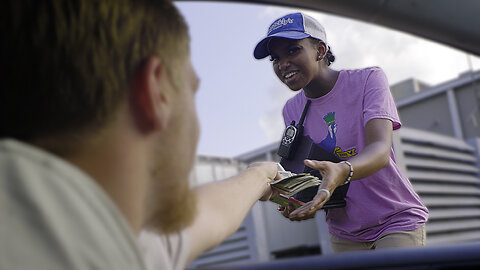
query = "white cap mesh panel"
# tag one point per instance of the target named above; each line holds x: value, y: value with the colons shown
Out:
x: 314, y: 28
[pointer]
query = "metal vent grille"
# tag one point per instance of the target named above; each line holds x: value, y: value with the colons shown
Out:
x: 444, y: 172
x: 233, y: 250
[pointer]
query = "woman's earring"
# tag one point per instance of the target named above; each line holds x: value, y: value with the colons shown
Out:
x: 319, y: 57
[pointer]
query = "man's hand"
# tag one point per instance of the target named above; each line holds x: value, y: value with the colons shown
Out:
x: 268, y: 172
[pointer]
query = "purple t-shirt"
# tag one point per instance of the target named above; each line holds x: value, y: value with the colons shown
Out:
x: 383, y: 202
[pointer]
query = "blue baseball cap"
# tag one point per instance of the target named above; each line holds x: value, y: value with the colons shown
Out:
x: 292, y: 26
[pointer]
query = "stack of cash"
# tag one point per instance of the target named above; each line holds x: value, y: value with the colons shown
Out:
x: 291, y: 183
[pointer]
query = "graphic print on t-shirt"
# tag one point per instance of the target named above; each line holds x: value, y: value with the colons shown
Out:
x: 330, y: 141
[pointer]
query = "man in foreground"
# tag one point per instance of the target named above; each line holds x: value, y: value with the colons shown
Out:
x: 99, y: 138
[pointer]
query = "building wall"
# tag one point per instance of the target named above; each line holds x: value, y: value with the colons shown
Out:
x: 211, y: 168
x: 432, y: 114
x: 450, y: 108
x: 467, y: 98
x: 407, y: 88
x: 283, y: 234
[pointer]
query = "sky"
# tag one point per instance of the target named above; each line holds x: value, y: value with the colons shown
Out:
x: 240, y: 99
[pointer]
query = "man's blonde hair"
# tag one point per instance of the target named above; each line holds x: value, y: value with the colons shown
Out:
x: 69, y: 62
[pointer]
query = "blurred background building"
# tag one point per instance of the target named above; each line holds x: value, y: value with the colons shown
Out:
x: 438, y: 147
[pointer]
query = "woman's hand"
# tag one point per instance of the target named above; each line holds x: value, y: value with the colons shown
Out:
x: 333, y: 175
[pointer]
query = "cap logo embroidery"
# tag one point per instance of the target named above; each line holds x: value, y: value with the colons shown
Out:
x: 279, y: 23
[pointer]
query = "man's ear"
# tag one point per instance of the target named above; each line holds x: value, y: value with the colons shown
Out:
x: 149, y: 96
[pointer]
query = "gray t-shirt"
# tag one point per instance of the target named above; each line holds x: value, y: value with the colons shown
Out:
x: 54, y: 216
x: 164, y: 252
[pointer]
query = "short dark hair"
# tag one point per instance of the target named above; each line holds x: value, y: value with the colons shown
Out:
x: 68, y: 63
x: 329, y: 57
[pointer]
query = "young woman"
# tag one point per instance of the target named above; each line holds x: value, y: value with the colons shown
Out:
x: 352, y: 114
